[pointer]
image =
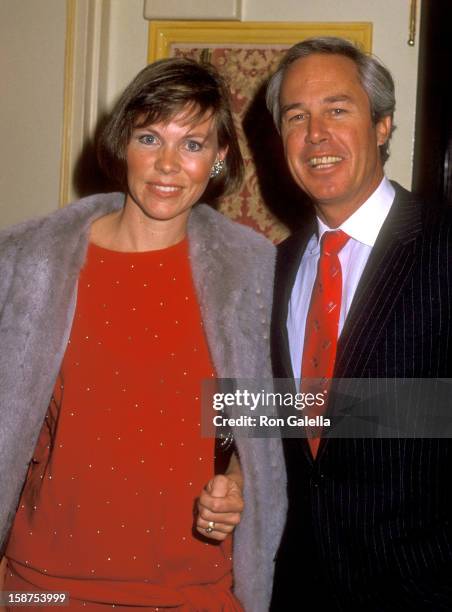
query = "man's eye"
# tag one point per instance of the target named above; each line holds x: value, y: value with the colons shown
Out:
x: 147, y: 139
x: 192, y: 145
x: 338, y: 111
x: 297, y: 117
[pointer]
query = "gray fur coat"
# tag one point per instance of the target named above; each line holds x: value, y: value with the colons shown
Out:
x: 40, y: 261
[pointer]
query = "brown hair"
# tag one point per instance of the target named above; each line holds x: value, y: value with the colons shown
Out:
x: 157, y: 94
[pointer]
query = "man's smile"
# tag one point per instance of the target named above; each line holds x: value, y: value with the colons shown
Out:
x: 325, y: 161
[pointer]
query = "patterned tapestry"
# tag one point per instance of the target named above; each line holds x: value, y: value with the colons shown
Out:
x: 268, y: 201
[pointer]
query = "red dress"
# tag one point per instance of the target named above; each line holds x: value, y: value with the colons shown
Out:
x: 109, y: 516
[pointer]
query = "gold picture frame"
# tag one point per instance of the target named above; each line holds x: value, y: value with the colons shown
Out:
x: 246, y: 53
x: 164, y: 34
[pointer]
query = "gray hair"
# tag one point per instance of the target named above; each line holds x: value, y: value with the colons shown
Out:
x: 374, y: 77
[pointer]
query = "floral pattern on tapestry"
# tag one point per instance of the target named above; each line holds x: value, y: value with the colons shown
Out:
x: 246, y: 70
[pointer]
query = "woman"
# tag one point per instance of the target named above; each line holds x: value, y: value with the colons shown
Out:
x: 113, y: 311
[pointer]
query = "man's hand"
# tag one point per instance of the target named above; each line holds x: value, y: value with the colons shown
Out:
x: 221, y: 504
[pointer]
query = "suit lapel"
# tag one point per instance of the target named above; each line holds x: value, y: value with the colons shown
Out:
x: 288, y: 260
x: 388, y: 269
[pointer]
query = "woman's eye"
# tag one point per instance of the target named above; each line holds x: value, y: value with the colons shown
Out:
x: 192, y: 145
x: 147, y: 139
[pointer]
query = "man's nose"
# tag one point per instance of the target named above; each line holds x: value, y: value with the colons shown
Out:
x: 167, y: 160
x: 317, y: 131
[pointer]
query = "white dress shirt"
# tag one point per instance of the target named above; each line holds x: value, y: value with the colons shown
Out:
x: 363, y: 228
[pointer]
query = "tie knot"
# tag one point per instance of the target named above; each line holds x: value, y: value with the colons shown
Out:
x: 332, y: 242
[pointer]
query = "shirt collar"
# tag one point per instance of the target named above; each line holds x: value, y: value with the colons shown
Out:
x: 365, y: 224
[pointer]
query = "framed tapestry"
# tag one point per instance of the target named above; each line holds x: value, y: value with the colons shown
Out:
x: 246, y: 53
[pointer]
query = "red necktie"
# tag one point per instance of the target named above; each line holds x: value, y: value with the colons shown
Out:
x: 322, y: 322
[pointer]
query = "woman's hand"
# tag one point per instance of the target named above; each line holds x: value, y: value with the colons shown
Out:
x: 220, y: 504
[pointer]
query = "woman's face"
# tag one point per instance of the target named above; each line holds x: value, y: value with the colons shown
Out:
x: 168, y: 165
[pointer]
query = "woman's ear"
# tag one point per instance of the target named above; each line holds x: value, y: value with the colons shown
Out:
x: 222, y: 153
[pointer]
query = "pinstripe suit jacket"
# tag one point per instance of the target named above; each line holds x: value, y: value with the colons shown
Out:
x: 369, y: 524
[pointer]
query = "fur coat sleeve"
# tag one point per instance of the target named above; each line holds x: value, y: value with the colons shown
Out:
x: 233, y: 273
x: 232, y: 269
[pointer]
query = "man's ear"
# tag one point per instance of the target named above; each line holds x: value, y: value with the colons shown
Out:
x: 383, y: 128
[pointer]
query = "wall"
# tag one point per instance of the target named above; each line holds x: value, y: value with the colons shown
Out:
x: 128, y: 45
x: 32, y: 41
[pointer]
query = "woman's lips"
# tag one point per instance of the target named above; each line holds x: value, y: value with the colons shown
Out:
x: 165, y: 190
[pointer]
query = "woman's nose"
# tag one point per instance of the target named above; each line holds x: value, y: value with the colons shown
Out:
x: 167, y: 160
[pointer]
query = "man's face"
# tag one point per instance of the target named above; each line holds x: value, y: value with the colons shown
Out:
x: 330, y: 141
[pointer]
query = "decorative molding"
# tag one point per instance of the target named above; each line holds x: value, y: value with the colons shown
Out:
x: 412, y: 26
x: 195, y: 9
x: 86, y: 39
x: 68, y: 97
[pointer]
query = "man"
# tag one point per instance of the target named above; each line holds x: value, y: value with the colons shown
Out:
x: 369, y: 520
